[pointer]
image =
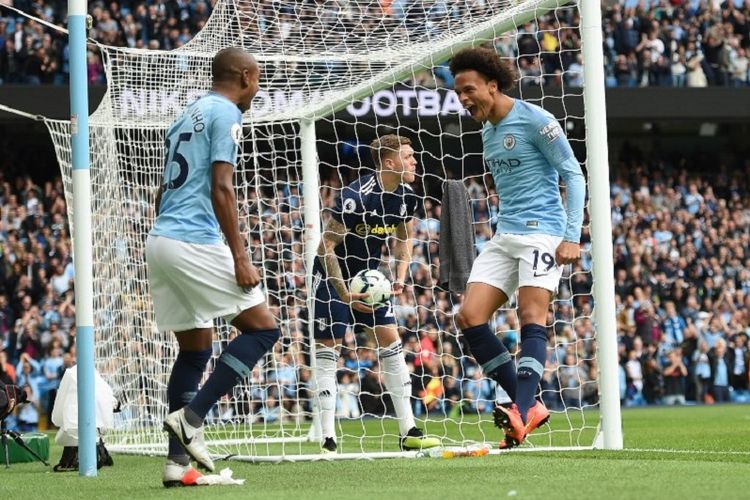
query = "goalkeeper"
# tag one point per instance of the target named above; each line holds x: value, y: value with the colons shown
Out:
x: 369, y: 210
x: 526, y: 152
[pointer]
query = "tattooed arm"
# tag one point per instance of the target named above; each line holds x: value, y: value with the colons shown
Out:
x: 333, y: 235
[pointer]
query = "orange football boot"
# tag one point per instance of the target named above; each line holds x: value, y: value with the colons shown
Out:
x: 537, y: 416
x: 508, y: 418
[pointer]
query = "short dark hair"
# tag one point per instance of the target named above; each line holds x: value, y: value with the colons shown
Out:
x: 229, y: 63
x: 488, y: 63
x: 387, y: 145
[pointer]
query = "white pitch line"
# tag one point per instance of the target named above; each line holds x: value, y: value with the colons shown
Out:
x: 691, y: 452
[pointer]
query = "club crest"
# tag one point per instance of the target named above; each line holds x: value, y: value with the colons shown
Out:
x: 236, y: 133
x: 509, y: 142
x: 349, y: 206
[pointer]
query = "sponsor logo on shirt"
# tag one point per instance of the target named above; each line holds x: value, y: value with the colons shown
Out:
x: 551, y: 131
x: 376, y: 230
x: 501, y: 165
x: 532, y: 223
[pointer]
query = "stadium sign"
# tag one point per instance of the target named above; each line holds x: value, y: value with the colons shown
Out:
x: 407, y: 102
x: 389, y: 103
x: 402, y: 103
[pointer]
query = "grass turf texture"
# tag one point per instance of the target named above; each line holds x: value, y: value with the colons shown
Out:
x: 687, y: 452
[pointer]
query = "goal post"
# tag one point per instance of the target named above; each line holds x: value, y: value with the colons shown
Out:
x: 327, y: 89
x: 311, y: 197
x: 601, y: 226
x: 82, y: 254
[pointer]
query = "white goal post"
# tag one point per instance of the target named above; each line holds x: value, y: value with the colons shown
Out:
x: 329, y: 71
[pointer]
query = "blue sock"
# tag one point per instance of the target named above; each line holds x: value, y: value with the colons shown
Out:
x: 531, y: 365
x: 495, y: 359
x: 235, y: 363
x: 183, y: 383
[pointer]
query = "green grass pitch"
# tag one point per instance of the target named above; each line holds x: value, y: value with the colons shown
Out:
x: 682, y: 453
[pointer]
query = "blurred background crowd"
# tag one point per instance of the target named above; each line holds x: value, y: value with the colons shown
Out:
x: 693, y: 43
x: 682, y: 258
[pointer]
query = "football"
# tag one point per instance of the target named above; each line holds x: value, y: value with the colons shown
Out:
x: 373, y: 283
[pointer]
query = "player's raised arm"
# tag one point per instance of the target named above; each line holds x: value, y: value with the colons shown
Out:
x: 403, y: 249
x: 552, y: 143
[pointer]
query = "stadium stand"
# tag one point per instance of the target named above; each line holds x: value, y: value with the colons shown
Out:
x: 694, y: 43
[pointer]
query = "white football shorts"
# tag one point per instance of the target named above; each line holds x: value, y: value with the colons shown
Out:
x: 193, y: 284
x: 511, y: 261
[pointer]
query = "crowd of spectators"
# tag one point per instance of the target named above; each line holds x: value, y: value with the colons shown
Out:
x: 682, y: 274
x: 682, y: 270
x: 678, y: 43
x: 37, y: 310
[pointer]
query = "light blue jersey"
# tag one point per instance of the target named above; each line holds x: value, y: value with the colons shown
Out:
x: 527, y: 153
x: 208, y: 131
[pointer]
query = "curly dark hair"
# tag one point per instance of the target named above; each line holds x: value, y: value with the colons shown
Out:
x: 487, y: 62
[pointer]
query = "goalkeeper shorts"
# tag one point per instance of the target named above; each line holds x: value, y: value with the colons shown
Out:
x: 193, y: 284
x: 511, y: 261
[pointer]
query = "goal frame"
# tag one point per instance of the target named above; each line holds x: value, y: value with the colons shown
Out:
x: 609, y: 434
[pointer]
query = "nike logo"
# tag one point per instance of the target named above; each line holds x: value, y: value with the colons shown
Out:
x: 185, y: 439
x: 537, y: 275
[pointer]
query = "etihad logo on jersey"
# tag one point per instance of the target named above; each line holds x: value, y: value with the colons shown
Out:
x: 376, y: 230
x: 551, y: 131
x: 501, y: 165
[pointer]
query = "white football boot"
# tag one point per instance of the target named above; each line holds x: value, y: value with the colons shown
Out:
x: 191, y: 438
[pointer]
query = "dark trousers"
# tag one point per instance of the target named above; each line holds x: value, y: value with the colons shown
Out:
x: 738, y: 382
x: 720, y: 393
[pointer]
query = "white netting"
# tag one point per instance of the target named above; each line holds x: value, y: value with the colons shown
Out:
x: 319, y: 59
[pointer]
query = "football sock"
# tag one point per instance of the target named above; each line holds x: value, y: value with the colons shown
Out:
x: 493, y: 356
x: 183, y: 383
x: 531, y: 365
x: 501, y: 397
x: 235, y: 363
x: 398, y: 383
x: 325, y: 388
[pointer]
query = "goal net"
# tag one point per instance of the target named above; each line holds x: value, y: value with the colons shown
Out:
x: 334, y: 75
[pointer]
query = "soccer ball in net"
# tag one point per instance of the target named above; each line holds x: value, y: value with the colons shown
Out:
x: 374, y: 284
